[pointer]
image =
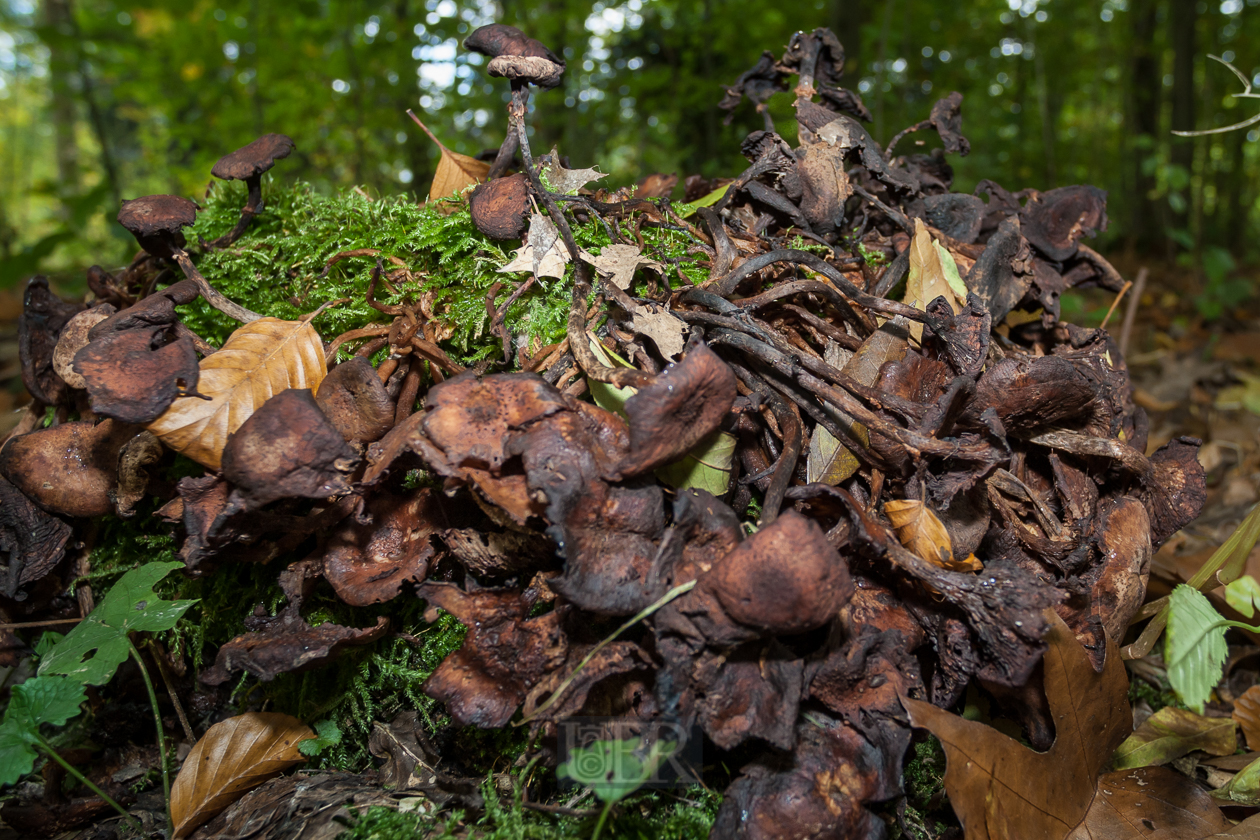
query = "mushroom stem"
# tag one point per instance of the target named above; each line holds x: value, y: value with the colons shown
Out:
x: 229, y: 308
x: 516, y: 117
x: 507, y: 151
x: 253, y: 206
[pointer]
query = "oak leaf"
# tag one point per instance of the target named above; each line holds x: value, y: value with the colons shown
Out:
x: 233, y: 757
x: 1151, y: 803
x: 921, y: 530
x: 1002, y: 790
x: 258, y: 361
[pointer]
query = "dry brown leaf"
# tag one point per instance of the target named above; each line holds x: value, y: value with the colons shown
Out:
x: 921, y: 530
x: 830, y: 461
x: 455, y: 172
x: 1247, y: 715
x: 234, y: 756
x: 258, y: 361
x: 926, y: 280
x: 1171, y: 733
x: 1151, y: 803
x: 1002, y: 790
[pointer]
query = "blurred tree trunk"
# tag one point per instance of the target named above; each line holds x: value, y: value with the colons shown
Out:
x: 1182, y: 18
x: 1143, y: 118
x: 845, y: 18
x: 1231, y: 194
x: 61, y: 60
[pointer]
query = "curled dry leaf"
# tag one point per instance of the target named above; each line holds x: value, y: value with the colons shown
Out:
x: 1247, y: 715
x: 234, y: 756
x: 1171, y: 733
x: 921, y: 530
x: 258, y: 361
x: 455, y: 172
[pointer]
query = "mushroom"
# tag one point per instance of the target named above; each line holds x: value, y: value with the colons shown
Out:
x: 155, y: 222
x: 515, y: 56
x: 248, y: 164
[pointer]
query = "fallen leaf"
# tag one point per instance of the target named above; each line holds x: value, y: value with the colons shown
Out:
x: 566, y: 181
x: 258, y: 361
x: 1244, y: 788
x: 921, y: 530
x: 833, y: 462
x: 455, y: 172
x: 665, y: 329
x: 927, y: 279
x: 1247, y: 715
x: 1171, y: 733
x: 543, y: 253
x: 620, y: 262
x: 999, y: 788
x: 706, y: 467
x: 1243, y: 595
x: 234, y: 756
x: 1151, y: 803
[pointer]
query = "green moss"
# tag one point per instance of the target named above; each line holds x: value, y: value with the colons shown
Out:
x: 925, y: 772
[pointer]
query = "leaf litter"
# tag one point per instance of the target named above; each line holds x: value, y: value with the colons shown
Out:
x: 851, y: 470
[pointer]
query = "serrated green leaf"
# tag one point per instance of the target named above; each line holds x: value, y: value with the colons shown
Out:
x: 1244, y: 788
x: 327, y: 734
x: 706, y: 467
x: 952, y: 277
x: 92, y: 651
x: 1243, y: 595
x: 1194, y: 646
x: 39, y: 700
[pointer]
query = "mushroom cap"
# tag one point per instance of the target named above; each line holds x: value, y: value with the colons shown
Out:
x: 497, y: 39
x: 156, y: 214
x: 254, y: 159
x: 539, y: 71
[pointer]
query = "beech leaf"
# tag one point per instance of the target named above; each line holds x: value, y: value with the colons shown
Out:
x: 927, y: 279
x: 233, y: 757
x: 455, y: 172
x: 1171, y: 733
x: 1194, y: 646
x: 921, y: 530
x: 258, y: 361
x: 1001, y: 789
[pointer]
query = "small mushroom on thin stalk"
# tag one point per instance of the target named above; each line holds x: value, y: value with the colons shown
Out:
x: 525, y: 61
x: 248, y: 164
x: 155, y: 222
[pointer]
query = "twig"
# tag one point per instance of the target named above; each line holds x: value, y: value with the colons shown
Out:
x: 1123, y: 289
x: 1130, y: 312
x: 47, y: 623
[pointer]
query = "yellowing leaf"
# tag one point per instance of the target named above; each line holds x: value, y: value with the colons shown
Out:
x: 1171, y: 733
x: 233, y: 757
x: 259, y: 360
x: 828, y: 460
x: 927, y: 279
x: 455, y: 172
x: 921, y: 531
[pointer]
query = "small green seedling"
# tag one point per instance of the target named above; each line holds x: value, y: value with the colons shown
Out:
x: 327, y: 734
x: 614, y: 769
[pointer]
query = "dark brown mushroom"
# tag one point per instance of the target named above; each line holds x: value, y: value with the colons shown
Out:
x: 369, y: 557
x: 73, y: 338
x: 356, y: 402
x: 68, y: 469
x: 524, y: 61
x: 248, y: 164
x: 957, y: 215
x: 1054, y: 221
x: 134, y: 375
x: 500, y: 208
x: 155, y: 221
x: 44, y: 316
x: 33, y: 540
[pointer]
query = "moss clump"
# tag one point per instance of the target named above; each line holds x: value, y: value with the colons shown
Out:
x: 280, y: 267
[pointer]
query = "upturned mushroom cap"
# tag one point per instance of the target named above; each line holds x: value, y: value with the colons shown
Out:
x: 153, y: 215
x: 253, y: 160
x: 515, y: 56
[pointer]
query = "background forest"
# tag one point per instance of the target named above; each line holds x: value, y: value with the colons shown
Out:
x: 102, y: 100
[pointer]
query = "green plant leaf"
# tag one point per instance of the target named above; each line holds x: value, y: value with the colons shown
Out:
x: 706, y: 467
x: 1243, y: 595
x: 707, y: 200
x: 611, y: 768
x: 92, y: 651
x: 39, y: 700
x: 609, y: 397
x: 952, y: 277
x: 1244, y: 788
x: 327, y: 734
x: 1171, y: 733
x: 1194, y: 646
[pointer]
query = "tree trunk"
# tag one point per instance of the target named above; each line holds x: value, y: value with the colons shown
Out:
x: 61, y: 61
x: 1143, y: 122
x: 1182, y: 18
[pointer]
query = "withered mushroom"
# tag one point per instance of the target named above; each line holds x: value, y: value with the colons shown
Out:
x: 525, y: 61
x: 500, y: 208
x: 155, y: 221
x: 248, y: 164
x: 68, y: 469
